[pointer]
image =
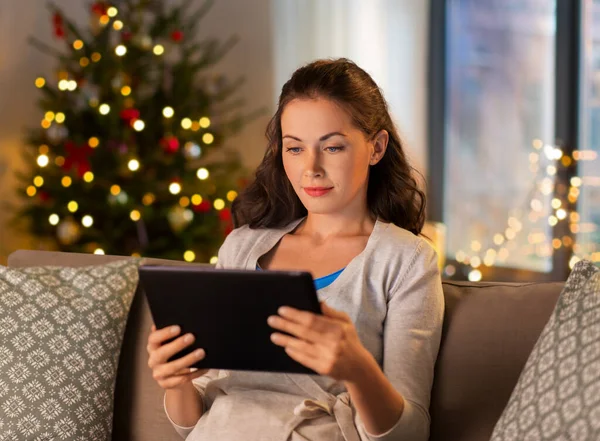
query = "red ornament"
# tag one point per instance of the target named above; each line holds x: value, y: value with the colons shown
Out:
x: 225, y: 215
x: 57, y: 21
x: 130, y: 115
x: 170, y: 144
x: 203, y: 207
x: 228, y: 230
x: 177, y: 36
x: 99, y: 8
x: 77, y: 157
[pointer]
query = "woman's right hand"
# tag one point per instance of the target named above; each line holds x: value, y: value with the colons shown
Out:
x: 177, y: 373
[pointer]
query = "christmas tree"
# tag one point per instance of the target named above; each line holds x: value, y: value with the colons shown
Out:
x: 130, y: 158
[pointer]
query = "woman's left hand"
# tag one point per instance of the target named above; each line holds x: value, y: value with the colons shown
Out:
x: 327, y: 344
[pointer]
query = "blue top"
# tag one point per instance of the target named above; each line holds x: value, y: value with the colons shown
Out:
x: 321, y: 282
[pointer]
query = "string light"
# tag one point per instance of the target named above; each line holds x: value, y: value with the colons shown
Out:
x: 197, y: 199
x: 204, y: 122
x: 202, y: 174
x: 219, y: 204
x: 189, y: 256
x: 112, y: 11
x: 40, y: 82
x: 120, y: 50
x: 175, y: 188
x: 88, y: 177
x: 77, y: 44
x: 42, y: 160
x: 31, y: 191
x: 54, y: 219
x: 125, y: 90
x: 38, y: 181
x: 84, y: 61
x: 66, y: 181
x: 208, y: 138
x: 99, y: 251
x: 117, y: 25
x: 104, y: 109
x: 135, y: 215
x: 168, y: 112
x: 148, y: 199
x: 139, y: 125
x: 214, y: 260
x: 158, y: 49
x: 186, y: 123
x: 87, y: 221
x: 73, y: 206
x: 93, y: 142
x: 231, y: 195
x: 133, y: 165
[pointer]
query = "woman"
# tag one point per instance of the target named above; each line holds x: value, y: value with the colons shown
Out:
x: 334, y: 195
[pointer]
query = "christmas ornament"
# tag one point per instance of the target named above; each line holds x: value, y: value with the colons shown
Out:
x: 57, y: 22
x: 129, y: 115
x: 177, y: 36
x: 170, y: 144
x: 179, y: 218
x: 68, y: 231
x: 77, y: 157
x: 203, y: 207
x: 225, y: 215
x: 99, y: 8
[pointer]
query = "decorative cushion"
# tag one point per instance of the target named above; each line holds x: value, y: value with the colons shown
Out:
x: 557, y: 396
x: 61, y: 330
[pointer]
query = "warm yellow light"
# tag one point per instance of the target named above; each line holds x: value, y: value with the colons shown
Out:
x: 551, y: 170
x: 66, y: 181
x: 88, y: 177
x: 60, y: 117
x: 168, y: 112
x: 158, y: 50
x: 574, y: 216
x: 63, y: 85
x: 42, y: 160
x: 186, y: 123
x: 46, y: 124
x: 196, y: 199
x: 189, y: 256
x: 219, y: 204
x: 99, y: 251
x: 104, y: 109
x: 73, y: 206
x: 115, y: 190
x: 195, y: 126
x: 77, y: 44
x: 552, y: 220
x: 503, y: 254
x: 133, y: 165
x: 489, y: 259
x: 49, y: 116
x: 460, y: 256
x: 93, y: 142
x: 537, y: 144
x: 202, y: 173
x: 214, y: 259
x: 208, y: 138
x: 184, y: 201
x: 40, y: 82
x: 475, y: 262
x: 498, y: 239
x: 175, y: 188
x: 38, y: 181
x: 475, y: 276
x: 118, y: 25
x: 112, y: 11
x: 561, y: 213
x: 120, y: 50
x: 104, y: 20
x: 135, y: 215
x: 475, y: 246
x: 510, y: 233
x: 84, y: 61
x: 139, y: 125
x: 231, y: 195
x: 31, y: 191
x: 136, y: 255
x: 556, y: 203
x: 576, y: 181
x: 204, y: 122
x: 556, y: 243
x: 125, y: 90
x: 54, y: 219
x: 148, y: 199
x: 87, y: 221
x: 96, y: 57
x: 43, y: 149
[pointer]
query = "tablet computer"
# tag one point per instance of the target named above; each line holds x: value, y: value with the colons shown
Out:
x: 227, y: 312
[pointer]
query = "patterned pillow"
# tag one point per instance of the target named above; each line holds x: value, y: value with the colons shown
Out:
x: 557, y: 396
x: 61, y: 330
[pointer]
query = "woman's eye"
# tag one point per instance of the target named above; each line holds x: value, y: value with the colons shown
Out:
x: 293, y: 149
x: 335, y: 149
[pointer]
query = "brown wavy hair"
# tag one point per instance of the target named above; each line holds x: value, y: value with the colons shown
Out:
x: 392, y: 192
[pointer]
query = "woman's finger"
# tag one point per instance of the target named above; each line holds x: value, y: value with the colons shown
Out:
x: 294, y: 328
x: 172, y: 367
x: 297, y: 344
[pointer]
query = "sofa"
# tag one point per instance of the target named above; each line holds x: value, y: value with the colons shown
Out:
x: 489, y: 332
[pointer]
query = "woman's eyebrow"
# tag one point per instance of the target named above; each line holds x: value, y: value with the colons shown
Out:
x: 322, y: 138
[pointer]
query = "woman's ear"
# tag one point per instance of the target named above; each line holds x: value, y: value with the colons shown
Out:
x: 380, y: 143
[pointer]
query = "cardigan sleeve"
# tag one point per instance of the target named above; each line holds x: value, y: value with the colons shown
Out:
x: 411, y: 341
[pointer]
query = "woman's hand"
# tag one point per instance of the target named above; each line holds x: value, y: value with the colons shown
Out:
x: 327, y: 344
x: 176, y: 373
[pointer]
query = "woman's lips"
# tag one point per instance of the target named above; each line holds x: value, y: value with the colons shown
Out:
x: 317, y: 191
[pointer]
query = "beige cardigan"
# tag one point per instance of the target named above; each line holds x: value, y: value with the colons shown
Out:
x: 392, y: 291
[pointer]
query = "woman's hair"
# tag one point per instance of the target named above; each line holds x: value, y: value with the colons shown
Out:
x: 392, y: 193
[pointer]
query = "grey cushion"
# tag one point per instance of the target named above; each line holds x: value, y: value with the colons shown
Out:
x: 557, y: 396
x: 61, y: 330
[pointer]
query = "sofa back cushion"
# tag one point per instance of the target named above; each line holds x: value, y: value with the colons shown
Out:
x: 138, y: 411
x: 489, y: 331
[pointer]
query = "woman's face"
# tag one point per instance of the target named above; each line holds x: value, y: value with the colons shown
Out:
x: 325, y: 157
